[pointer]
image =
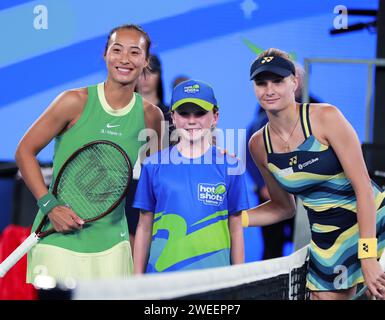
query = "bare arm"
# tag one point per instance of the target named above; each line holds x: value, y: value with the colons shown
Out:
x: 58, y: 116
x: 331, y: 125
x: 237, y: 241
x: 281, y: 205
x: 153, y: 118
x: 143, y: 241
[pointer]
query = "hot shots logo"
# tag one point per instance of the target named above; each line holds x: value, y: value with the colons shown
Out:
x: 211, y: 194
x: 192, y: 89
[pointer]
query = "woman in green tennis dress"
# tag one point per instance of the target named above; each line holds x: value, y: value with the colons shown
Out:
x: 112, y: 111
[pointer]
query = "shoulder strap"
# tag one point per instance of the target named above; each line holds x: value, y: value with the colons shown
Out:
x: 305, y: 120
x: 266, y: 139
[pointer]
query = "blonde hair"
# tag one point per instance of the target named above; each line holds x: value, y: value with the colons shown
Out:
x: 276, y: 53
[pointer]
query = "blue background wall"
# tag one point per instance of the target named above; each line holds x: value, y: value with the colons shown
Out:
x: 202, y: 39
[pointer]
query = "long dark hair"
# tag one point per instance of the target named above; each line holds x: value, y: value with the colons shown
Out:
x: 154, y: 66
x: 159, y: 90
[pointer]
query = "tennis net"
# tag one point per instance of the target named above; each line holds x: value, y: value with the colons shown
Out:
x: 275, y: 279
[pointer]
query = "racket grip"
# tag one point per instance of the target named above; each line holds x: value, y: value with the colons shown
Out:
x: 360, y: 293
x: 18, y: 253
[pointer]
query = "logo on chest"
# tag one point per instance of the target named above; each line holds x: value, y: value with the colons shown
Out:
x: 112, y: 130
x: 293, y: 162
x: 307, y: 163
x: 211, y: 194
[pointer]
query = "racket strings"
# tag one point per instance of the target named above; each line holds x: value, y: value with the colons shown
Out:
x: 93, y: 194
x: 105, y: 180
x: 108, y: 170
x: 94, y: 180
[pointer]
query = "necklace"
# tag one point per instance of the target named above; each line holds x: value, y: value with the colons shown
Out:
x: 286, y: 142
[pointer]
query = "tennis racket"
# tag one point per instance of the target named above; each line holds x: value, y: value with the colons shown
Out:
x: 92, y: 182
x: 362, y: 291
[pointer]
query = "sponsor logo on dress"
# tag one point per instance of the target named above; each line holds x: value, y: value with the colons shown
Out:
x: 109, y: 126
x: 293, y: 161
x: 285, y: 172
x: 307, y: 163
x: 111, y: 132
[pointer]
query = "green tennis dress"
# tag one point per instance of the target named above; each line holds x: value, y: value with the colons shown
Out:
x: 101, y: 249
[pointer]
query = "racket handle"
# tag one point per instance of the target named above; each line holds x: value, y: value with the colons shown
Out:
x: 18, y: 253
x: 360, y: 293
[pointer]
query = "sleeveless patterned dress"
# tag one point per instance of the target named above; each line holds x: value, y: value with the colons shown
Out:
x: 314, y: 174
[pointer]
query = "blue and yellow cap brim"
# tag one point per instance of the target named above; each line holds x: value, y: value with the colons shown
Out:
x: 199, y: 102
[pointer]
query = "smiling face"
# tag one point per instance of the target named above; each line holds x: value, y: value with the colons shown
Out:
x: 126, y: 56
x: 275, y: 92
x: 194, y: 124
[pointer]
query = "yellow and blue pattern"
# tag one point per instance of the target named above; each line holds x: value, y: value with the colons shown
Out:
x: 314, y: 174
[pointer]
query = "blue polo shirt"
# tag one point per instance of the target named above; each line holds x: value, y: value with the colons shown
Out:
x: 191, y: 200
